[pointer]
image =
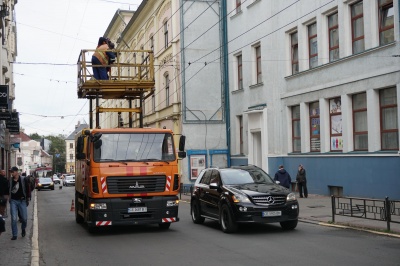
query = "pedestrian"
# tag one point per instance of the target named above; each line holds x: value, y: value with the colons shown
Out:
x: 283, y: 177
x: 20, y: 195
x: 302, y: 181
x: 101, y: 58
x: 2, y: 225
x: 4, y: 192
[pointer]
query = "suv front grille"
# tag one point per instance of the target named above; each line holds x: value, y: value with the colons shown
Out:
x: 269, y: 200
x: 135, y: 184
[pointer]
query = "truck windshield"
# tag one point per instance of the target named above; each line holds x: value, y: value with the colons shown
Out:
x: 134, y: 147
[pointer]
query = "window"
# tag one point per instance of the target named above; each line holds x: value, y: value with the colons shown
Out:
x: 167, y: 90
x: 296, y: 136
x: 166, y: 35
x: 314, y: 127
x: 240, y: 72
x: 295, y: 53
x: 335, y: 113
x: 258, y: 64
x: 360, y: 128
x: 386, y: 22
x: 389, y: 126
x: 333, y: 28
x: 238, y: 6
x: 357, y: 25
x: 153, y: 103
x: 71, y: 145
x: 71, y: 156
x: 313, y: 45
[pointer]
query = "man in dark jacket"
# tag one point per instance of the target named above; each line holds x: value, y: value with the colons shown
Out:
x: 302, y: 181
x: 283, y: 177
x: 20, y: 195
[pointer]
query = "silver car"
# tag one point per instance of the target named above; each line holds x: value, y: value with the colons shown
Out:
x: 69, y: 180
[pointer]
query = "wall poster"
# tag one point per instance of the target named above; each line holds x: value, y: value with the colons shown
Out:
x: 197, y: 163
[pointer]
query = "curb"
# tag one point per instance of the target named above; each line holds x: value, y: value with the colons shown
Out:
x: 349, y: 227
x: 35, y: 236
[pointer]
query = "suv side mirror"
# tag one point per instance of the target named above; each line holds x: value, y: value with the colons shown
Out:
x: 214, y: 186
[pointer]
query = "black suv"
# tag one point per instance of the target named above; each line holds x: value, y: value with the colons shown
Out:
x: 242, y: 194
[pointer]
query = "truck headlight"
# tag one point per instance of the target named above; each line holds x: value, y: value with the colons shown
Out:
x: 291, y: 197
x: 98, y: 206
x: 172, y: 203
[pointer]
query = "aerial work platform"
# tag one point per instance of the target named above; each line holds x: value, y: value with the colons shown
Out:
x: 130, y: 77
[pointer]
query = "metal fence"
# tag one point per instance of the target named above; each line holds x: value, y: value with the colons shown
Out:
x: 372, y: 209
x: 185, y: 190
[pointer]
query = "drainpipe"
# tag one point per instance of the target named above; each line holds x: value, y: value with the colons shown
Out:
x: 226, y: 78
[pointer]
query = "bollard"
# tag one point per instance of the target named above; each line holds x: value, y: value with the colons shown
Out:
x: 333, y: 208
x: 387, y: 212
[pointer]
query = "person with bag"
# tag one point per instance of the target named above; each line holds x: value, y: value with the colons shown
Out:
x: 20, y: 195
x: 302, y: 181
x: 101, y: 59
x: 3, y: 193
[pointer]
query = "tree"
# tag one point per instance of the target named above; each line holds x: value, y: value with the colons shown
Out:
x: 57, y: 149
x: 35, y: 136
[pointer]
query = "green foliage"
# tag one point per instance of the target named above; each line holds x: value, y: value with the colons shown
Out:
x: 57, y: 149
x: 35, y: 136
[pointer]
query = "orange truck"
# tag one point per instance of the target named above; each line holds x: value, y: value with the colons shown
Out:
x: 127, y: 176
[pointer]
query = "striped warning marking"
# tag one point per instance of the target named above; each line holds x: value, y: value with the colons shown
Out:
x: 103, y: 184
x: 169, y: 220
x: 168, y: 185
x: 103, y: 223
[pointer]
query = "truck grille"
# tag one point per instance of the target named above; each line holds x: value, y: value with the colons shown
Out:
x: 269, y: 200
x: 135, y: 184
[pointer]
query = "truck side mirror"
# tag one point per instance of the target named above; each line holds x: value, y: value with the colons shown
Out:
x: 79, y: 149
x: 182, y: 140
x: 181, y: 154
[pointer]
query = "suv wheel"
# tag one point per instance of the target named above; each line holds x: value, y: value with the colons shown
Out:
x: 289, y: 225
x: 228, y: 224
x: 195, y: 211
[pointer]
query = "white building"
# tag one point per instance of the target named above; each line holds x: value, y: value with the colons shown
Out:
x: 317, y: 83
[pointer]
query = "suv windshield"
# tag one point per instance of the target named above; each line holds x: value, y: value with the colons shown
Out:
x: 247, y: 176
x: 134, y: 147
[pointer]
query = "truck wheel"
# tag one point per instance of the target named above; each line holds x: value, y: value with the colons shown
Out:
x: 78, y: 218
x: 228, y: 224
x: 289, y: 225
x: 164, y: 226
x: 196, y: 213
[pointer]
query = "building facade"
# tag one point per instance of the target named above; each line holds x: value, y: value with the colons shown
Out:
x: 8, y: 54
x: 318, y: 83
x: 70, y: 148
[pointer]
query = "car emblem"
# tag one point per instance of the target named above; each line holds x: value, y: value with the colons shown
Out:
x: 137, y: 185
x: 136, y: 200
x: 270, y: 200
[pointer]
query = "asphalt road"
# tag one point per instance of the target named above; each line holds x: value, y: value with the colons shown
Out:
x: 63, y: 242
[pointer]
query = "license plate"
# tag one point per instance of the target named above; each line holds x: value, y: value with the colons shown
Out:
x: 271, y: 213
x: 137, y: 209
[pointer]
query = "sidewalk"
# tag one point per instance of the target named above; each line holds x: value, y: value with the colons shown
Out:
x: 17, y: 252
x: 318, y: 209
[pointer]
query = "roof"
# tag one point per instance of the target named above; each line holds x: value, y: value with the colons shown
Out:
x: 23, y: 137
x: 79, y: 128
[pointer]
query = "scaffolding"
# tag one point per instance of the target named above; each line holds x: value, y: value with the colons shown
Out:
x: 130, y: 77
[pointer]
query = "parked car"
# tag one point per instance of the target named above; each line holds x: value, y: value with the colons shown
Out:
x: 69, y: 180
x: 45, y: 182
x: 56, y: 179
x: 244, y: 194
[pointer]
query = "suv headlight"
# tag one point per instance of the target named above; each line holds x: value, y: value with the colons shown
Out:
x: 291, y: 197
x: 240, y: 198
